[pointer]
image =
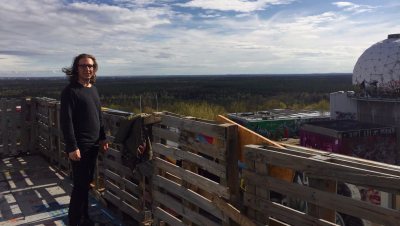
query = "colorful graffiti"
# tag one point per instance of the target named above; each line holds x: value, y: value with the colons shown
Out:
x: 278, y: 129
x: 370, y: 195
x: 374, y: 144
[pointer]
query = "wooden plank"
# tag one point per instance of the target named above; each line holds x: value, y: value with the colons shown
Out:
x: 213, y: 130
x: 232, y: 169
x: 183, y: 116
x: 114, y: 153
x: 201, y: 162
x: 187, y: 213
x: 275, y: 222
x: 250, y: 211
x: 321, y: 212
x: 247, y: 136
x: 111, y: 186
x: 283, y: 213
x: 187, y: 194
x: 213, y: 150
x: 134, y: 188
x: 112, y: 198
x: 56, y: 131
x: 262, y: 191
x: 326, y: 170
x: 190, y: 143
x: 231, y: 212
x: 340, y: 203
x: 129, y: 198
x: 165, y: 134
x: 131, y: 211
x: 112, y: 175
x: 111, y: 164
x: 344, y: 159
x: 192, y: 178
x: 123, y: 206
x: 170, y: 219
x: 3, y: 124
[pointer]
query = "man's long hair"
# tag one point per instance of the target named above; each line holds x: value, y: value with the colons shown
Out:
x: 72, y: 72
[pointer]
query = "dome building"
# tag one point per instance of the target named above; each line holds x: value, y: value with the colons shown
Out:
x: 380, y: 63
x: 376, y: 79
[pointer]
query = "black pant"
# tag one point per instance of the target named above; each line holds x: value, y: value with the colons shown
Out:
x: 82, y: 174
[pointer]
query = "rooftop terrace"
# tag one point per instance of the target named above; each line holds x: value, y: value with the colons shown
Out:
x: 192, y: 179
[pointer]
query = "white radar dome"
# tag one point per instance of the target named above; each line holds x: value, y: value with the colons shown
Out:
x: 379, y: 64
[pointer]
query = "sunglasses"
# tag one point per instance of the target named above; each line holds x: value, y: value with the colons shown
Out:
x: 90, y: 66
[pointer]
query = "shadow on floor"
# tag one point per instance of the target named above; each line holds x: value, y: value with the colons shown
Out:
x: 34, y: 193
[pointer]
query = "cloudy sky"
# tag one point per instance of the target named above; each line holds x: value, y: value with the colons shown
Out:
x: 169, y: 37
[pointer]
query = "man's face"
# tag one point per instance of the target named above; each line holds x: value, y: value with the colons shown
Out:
x: 85, y: 69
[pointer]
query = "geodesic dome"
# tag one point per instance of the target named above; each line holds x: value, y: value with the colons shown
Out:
x: 380, y: 63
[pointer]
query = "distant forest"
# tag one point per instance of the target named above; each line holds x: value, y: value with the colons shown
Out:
x: 199, y: 96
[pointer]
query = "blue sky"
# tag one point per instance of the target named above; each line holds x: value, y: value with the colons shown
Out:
x: 169, y: 37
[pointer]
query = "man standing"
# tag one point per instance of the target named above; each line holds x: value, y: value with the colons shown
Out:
x: 82, y: 127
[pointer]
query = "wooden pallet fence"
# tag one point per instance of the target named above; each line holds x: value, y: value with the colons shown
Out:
x: 59, y: 145
x: 123, y: 189
x: 43, y: 125
x: 46, y: 129
x: 194, y: 160
x: 324, y: 167
x: 113, y: 182
x: 111, y: 123
x: 12, y: 127
x: 46, y: 132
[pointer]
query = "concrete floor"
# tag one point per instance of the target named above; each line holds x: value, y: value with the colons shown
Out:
x: 34, y: 193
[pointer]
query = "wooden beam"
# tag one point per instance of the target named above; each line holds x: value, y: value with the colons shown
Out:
x: 326, y: 170
x: 340, y: 203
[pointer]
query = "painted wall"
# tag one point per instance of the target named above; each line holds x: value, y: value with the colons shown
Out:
x: 342, y: 107
x: 377, y: 145
x: 380, y: 111
x: 278, y: 129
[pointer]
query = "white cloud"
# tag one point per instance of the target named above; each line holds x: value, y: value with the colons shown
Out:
x: 234, y: 5
x: 152, y: 38
x: 51, y: 27
x: 351, y: 7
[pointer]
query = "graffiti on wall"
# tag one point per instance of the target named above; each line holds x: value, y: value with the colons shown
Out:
x: 376, y: 149
x: 281, y: 129
x: 345, y: 115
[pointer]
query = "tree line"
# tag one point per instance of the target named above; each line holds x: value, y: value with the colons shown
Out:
x: 198, y: 96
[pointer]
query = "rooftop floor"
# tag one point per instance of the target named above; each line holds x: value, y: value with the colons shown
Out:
x: 34, y: 193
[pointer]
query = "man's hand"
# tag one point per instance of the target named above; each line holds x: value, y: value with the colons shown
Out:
x: 75, y: 155
x: 104, y: 145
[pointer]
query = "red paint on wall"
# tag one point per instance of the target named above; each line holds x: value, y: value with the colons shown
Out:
x: 377, y: 147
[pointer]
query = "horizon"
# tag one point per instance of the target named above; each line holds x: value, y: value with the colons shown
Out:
x: 192, y: 37
x: 162, y: 76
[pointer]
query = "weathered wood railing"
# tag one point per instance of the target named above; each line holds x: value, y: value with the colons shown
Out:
x: 194, y: 160
x: 316, y: 165
x: 14, y: 129
x: 195, y: 173
x: 122, y: 188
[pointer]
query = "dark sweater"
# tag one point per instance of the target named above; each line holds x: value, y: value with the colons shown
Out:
x: 80, y: 117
